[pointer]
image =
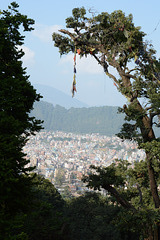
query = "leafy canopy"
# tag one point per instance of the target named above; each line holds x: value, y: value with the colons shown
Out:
x: 114, y: 41
x: 17, y: 96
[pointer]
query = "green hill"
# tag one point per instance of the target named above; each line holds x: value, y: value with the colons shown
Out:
x: 103, y: 120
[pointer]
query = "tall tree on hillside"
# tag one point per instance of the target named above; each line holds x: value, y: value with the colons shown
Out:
x: 17, y: 96
x: 114, y: 41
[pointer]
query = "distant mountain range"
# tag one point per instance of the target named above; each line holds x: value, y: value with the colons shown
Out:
x: 61, y: 112
x: 102, y: 120
x: 57, y: 97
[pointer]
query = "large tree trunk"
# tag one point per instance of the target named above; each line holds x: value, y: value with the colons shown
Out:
x: 153, y: 186
x: 119, y: 198
x: 152, y: 181
x: 154, y: 191
x: 147, y: 128
x: 148, y: 135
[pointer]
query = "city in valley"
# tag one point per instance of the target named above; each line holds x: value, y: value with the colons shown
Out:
x: 64, y: 158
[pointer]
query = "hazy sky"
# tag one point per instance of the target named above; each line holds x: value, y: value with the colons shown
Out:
x: 42, y: 59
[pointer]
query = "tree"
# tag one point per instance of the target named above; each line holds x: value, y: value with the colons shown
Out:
x: 46, y: 217
x: 17, y: 96
x: 90, y: 216
x: 128, y: 187
x: 114, y: 41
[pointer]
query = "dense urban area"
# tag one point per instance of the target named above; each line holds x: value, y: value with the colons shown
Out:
x: 64, y: 158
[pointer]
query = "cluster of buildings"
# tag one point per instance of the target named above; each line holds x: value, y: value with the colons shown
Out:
x: 64, y: 158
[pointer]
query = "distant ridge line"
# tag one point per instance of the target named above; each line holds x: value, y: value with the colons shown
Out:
x: 103, y: 120
x: 57, y: 97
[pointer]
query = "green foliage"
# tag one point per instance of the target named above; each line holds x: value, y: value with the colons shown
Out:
x: 46, y: 218
x: 43, y: 220
x: 128, y: 131
x: 12, y: 228
x: 133, y: 186
x: 77, y: 21
x: 92, y: 217
x: 17, y: 96
x: 114, y: 40
x: 117, y: 42
x: 103, y: 120
x: 121, y: 176
x: 103, y: 176
x: 45, y: 191
x: 152, y: 147
x: 59, y: 42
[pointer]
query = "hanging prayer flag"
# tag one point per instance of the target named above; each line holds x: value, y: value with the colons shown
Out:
x: 74, y: 85
x: 74, y: 76
x: 79, y: 51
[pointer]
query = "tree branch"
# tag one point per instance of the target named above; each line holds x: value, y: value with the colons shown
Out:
x: 68, y: 33
x: 119, y: 198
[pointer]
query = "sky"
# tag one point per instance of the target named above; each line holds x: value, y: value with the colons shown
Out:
x: 43, y: 61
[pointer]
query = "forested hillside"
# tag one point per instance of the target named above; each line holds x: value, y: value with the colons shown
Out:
x: 102, y: 120
x: 31, y: 208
